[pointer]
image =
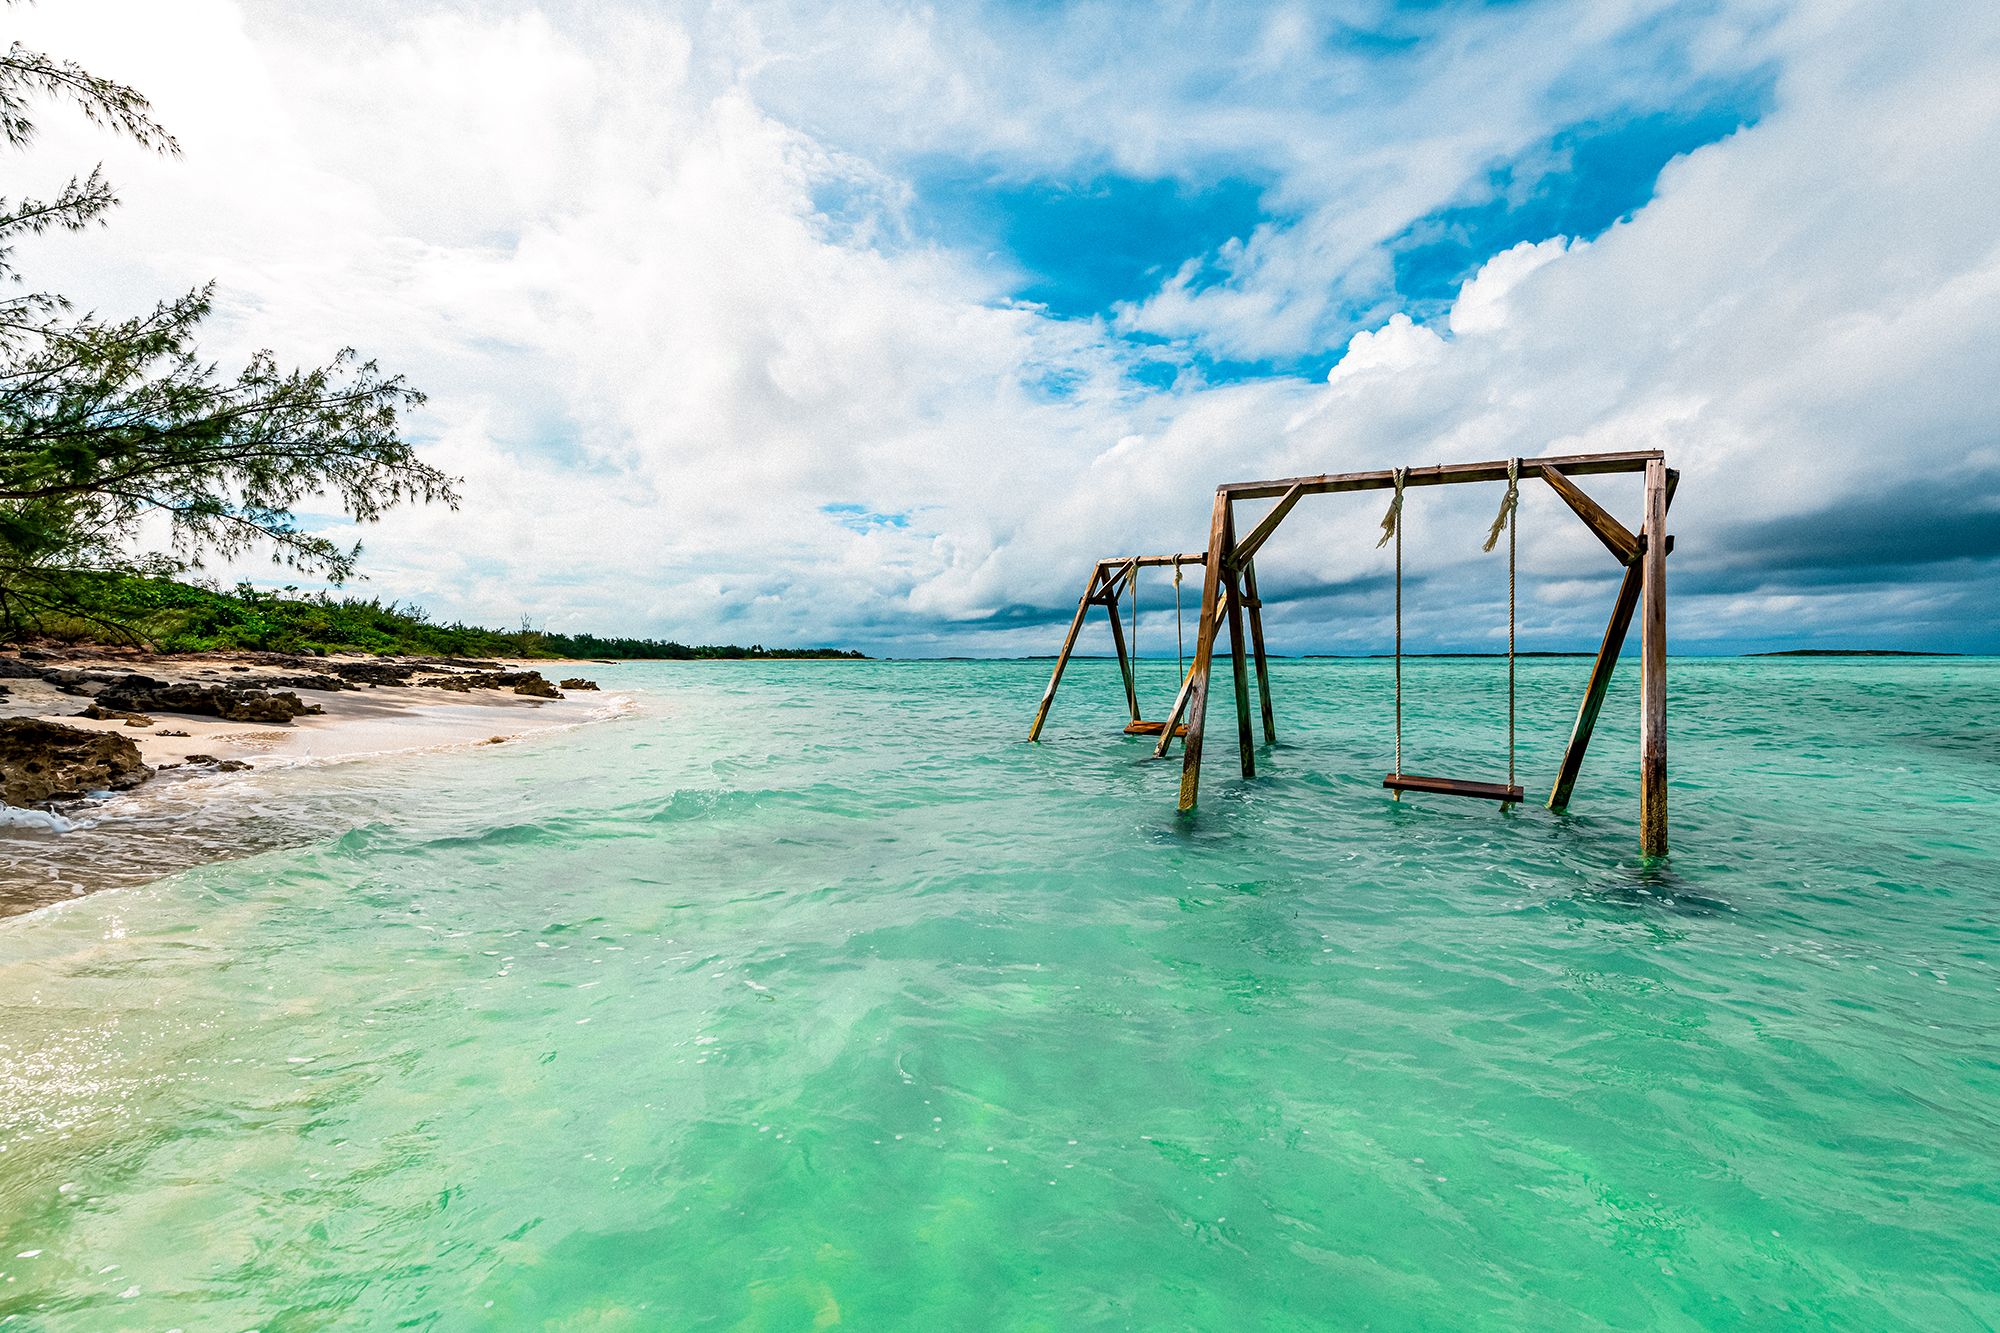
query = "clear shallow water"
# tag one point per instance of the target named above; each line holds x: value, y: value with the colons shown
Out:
x: 810, y: 996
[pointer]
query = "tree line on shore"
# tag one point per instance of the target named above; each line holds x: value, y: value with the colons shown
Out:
x: 172, y: 616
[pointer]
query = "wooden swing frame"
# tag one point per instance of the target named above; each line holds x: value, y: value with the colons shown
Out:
x: 1229, y: 587
x: 1110, y: 580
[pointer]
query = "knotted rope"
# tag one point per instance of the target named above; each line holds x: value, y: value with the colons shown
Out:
x: 1133, y: 678
x: 1392, y: 520
x: 1392, y: 526
x: 1509, y: 505
x: 1180, y: 644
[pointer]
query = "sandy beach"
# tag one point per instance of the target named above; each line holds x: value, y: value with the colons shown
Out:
x: 371, y: 720
x: 203, y: 799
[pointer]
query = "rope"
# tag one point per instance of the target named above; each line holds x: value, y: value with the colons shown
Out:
x: 1392, y: 526
x: 1513, y: 524
x: 1135, y: 627
x: 1180, y: 644
x: 1510, y: 505
x: 1393, y: 519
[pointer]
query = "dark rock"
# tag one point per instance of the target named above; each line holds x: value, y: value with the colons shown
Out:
x: 219, y: 765
x: 164, y: 732
x: 307, y: 681
x: 45, y: 761
x: 138, y: 694
x: 579, y: 683
x: 531, y: 683
x: 373, y: 673
x: 76, y: 680
x: 12, y: 668
x: 99, y: 713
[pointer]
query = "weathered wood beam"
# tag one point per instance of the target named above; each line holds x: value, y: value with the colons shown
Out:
x: 1616, y: 537
x: 1443, y: 474
x: 1246, y: 741
x: 1126, y: 667
x: 1246, y: 550
x: 1062, y: 658
x: 1181, y: 698
x: 1255, y: 606
x: 1505, y: 793
x: 1606, y: 664
x: 1154, y: 561
x: 1204, y: 654
x: 1653, y: 669
x: 1600, y: 682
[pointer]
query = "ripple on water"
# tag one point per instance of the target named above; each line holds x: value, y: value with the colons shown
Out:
x: 818, y: 995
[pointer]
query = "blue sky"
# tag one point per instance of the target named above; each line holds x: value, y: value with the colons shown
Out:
x: 876, y: 324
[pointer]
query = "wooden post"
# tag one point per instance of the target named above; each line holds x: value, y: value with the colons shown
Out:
x: 1204, y: 654
x: 1126, y: 667
x: 1255, y: 606
x: 1600, y: 682
x: 1180, y: 702
x: 1062, y: 658
x: 1653, y: 668
x: 1246, y: 741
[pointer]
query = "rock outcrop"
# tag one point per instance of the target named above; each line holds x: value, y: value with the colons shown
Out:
x: 99, y: 713
x: 140, y: 694
x: 374, y: 673
x: 46, y: 761
x: 531, y: 683
x: 579, y: 683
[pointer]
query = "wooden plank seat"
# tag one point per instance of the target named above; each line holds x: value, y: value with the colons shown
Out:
x: 1144, y: 728
x: 1485, y: 791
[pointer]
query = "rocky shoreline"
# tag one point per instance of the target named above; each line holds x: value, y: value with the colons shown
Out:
x: 78, y: 725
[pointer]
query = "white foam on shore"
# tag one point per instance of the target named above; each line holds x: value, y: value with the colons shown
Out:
x: 12, y: 816
x: 419, y: 727
x: 192, y: 815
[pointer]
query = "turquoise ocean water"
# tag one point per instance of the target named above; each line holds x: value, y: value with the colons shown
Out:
x: 808, y: 996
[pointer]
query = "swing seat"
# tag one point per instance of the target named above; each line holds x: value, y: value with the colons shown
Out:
x: 1484, y: 791
x: 1144, y: 728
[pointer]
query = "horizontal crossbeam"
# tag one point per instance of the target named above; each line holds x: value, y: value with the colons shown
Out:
x: 1444, y: 474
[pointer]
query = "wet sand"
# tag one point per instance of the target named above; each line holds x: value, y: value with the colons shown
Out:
x: 193, y: 813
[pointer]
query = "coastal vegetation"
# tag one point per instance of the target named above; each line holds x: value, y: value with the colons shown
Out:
x: 171, y: 616
x: 117, y: 436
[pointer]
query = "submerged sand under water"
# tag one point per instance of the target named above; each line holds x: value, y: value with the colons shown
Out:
x: 191, y: 814
x: 809, y: 993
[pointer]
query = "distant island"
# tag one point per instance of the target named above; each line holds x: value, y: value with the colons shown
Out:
x: 1851, y: 652
x: 172, y: 617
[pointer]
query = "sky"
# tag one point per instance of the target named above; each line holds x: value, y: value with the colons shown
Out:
x: 875, y: 325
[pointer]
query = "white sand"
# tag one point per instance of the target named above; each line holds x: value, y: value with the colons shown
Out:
x: 385, y: 719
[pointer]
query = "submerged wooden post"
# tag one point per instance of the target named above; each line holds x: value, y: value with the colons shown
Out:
x: 1600, y: 682
x: 1127, y: 668
x: 1653, y: 668
x: 1246, y: 741
x: 1607, y: 655
x: 1180, y: 702
x: 1255, y: 606
x: 1062, y: 658
x: 1204, y: 654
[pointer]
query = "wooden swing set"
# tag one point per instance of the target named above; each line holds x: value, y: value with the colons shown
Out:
x: 1229, y: 590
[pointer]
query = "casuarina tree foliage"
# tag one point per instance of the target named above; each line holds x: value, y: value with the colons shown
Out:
x: 106, y: 423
